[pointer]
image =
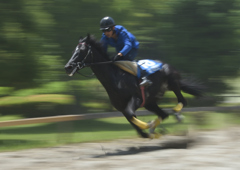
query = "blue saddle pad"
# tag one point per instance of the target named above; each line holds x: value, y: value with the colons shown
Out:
x: 150, y: 66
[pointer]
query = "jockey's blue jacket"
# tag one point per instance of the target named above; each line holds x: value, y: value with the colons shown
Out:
x: 124, y: 43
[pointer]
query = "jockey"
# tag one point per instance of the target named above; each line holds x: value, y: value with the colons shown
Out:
x: 125, y: 43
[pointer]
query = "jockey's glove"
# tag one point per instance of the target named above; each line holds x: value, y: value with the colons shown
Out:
x: 117, y: 57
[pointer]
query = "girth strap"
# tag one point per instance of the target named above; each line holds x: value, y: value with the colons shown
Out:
x: 143, y: 95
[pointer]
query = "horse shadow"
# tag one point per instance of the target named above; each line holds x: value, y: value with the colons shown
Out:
x: 172, y: 144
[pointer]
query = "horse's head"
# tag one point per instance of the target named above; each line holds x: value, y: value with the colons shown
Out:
x: 81, y: 55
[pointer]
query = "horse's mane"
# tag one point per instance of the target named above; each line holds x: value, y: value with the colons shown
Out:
x: 98, y: 46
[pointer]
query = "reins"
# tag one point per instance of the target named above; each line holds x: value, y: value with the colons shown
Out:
x: 89, y: 64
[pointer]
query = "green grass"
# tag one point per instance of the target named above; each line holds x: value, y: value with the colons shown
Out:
x: 51, y: 98
x: 10, y: 117
x: 53, y: 134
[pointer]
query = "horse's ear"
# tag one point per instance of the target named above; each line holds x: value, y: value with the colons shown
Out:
x: 88, y: 38
x: 80, y: 39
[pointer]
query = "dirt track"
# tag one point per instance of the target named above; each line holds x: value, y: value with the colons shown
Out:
x: 214, y: 150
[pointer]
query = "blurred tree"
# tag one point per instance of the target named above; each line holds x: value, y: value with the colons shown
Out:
x: 24, y: 40
x: 203, y: 38
x: 37, y: 37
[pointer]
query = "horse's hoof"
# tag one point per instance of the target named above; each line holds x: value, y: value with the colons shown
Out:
x: 178, y: 108
x: 151, y: 127
x: 151, y: 130
x: 179, y: 117
x: 154, y: 135
x: 153, y: 124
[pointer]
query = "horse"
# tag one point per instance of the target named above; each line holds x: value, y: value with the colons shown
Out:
x: 123, y: 88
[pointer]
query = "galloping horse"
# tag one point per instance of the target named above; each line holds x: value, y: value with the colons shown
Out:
x: 123, y: 88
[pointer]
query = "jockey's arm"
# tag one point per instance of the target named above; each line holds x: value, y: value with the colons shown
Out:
x: 126, y: 49
x: 127, y: 43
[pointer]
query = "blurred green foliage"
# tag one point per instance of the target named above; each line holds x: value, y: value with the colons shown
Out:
x: 199, y: 38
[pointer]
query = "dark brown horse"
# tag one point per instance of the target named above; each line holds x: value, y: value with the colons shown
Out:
x: 123, y: 88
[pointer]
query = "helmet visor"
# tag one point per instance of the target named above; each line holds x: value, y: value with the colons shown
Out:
x: 108, y: 29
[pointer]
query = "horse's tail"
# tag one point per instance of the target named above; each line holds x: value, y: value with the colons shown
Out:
x: 192, y: 87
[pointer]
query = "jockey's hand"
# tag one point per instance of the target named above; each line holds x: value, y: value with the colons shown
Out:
x: 117, y: 57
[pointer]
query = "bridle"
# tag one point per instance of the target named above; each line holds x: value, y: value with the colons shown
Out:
x: 82, y: 64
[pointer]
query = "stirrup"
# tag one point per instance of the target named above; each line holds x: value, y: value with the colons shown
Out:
x: 145, y: 82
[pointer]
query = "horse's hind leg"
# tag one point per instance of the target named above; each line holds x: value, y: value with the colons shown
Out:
x: 153, y: 107
x: 174, y: 85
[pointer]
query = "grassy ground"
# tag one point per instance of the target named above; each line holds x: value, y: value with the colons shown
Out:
x: 53, y: 134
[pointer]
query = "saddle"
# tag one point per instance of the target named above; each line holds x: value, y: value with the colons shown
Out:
x: 136, y: 67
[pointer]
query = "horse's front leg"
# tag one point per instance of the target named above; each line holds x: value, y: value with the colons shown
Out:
x: 153, y: 107
x: 129, y: 113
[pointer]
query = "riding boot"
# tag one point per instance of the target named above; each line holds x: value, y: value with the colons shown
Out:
x: 145, y: 82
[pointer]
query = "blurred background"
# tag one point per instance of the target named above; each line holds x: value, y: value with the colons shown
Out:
x: 199, y: 38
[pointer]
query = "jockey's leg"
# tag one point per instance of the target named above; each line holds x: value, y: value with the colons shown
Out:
x: 129, y: 113
x: 145, y: 80
x: 130, y: 56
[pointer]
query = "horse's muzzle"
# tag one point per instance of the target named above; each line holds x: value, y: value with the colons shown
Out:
x: 71, y: 69
x: 73, y: 72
